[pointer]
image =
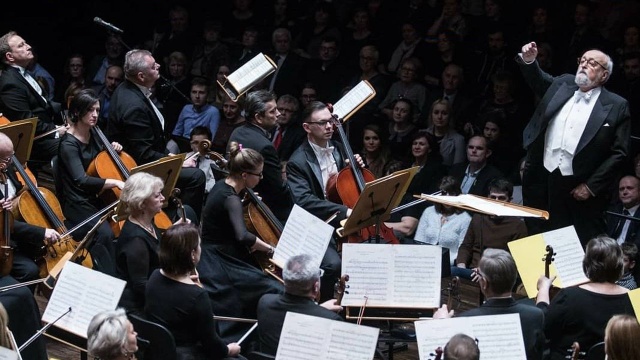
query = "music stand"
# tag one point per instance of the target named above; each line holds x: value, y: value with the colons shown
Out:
x: 21, y: 133
x: 167, y: 169
x: 376, y: 201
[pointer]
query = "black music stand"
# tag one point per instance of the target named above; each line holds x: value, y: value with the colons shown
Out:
x: 376, y: 201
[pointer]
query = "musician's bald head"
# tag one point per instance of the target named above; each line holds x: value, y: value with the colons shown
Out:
x: 461, y: 347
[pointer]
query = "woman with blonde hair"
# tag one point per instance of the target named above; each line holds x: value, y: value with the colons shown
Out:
x: 620, y: 338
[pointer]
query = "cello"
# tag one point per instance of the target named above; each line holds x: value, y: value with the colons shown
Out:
x: 40, y: 207
x: 346, y: 186
x: 108, y: 164
x: 260, y: 220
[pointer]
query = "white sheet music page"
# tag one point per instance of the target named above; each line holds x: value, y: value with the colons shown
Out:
x: 388, y: 275
x: 251, y: 73
x: 359, y: 94
x: 87, y: 292
x: 303, y: 233
x: 8, y: 354
x: 569, y: 254
x: 314, y: 338
x: 499, y: 336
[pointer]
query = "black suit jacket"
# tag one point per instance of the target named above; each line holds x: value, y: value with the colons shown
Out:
x: 288, y: 80
x: 18, y: 101
x: 291, y: 140
x: 305, y: 179
x: 602, y: 148
x: 272, y: 309
x: 531, y: 319
x: 481, y: 184
x: 633, y: 233
x: 272, y: 188
x: 134, y: 124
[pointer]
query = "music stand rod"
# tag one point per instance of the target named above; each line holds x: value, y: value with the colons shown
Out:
x: 39, y: 332
x: 628, y: 217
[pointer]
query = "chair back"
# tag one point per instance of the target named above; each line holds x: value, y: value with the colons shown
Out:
x: 596, y: 352
x: 160, y: 342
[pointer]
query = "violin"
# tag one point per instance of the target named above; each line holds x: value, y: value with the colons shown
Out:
x: 39, y: 206
x: 260, y: 221
x: 548, y: 259
x: 109, y: 164
x: 341, y: 288
x: 437, y: 354
x: 6, y: 222
x: 345, y: 188
x: 452, y: 292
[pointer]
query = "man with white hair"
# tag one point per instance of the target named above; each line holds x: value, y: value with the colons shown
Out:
x: 576, y: 142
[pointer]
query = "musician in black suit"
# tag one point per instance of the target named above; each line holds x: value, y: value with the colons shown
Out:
x: 617, y: 227
x: 286, y: 79
x: 289, y: 134
x: 137, y: 124
x: 308, y: 171
x: 21, y: 97
x: 26, y: 239
x: 261, y: 112
x: 301, y: 287
x: 475, y: 175
x: 576, y: 141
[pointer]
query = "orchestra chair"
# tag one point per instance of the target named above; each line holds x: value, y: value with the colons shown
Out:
x: 596, y: 352
x: 155, y: 340
x: 257, y: 355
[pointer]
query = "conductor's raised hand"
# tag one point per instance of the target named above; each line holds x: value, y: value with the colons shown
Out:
x: 529, y: 52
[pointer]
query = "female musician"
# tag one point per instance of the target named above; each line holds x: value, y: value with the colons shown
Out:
x: 111, y: 336
x: 580, y: 313
x: 620, y: 338
x: 77, y: 190
x: 137, y: 246
x: 227, y: 269
x: 444, y: 224
x: 185, y: 308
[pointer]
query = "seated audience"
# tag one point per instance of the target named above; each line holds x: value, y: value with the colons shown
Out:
x: 450, y: 143
x: 630, y: 256
x: 475, y: 175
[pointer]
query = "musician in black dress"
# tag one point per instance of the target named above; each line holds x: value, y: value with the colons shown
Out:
x: 227, y: 270
x: 185, y: 308
x: 77, y: 190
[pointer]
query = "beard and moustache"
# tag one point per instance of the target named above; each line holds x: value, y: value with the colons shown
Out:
x: 582, y: 80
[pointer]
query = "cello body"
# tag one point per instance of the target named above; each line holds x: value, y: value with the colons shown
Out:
x: 260, y: 221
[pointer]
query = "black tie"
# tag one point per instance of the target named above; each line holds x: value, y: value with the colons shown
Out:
x: 620, y: 224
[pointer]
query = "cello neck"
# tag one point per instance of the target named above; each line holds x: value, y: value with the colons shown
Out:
x: 349, y: 153
x: 37, y: 195
x: 111, y: 151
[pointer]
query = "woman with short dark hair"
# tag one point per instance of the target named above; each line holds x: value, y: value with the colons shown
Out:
x: 580, y: 313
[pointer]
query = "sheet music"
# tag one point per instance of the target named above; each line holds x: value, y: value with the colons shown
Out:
x: 8, y: 354
x: 309, y: 337
x: 480, y: 204
x: 303, y: 233
x: 499, y: 336
x: 569, y: 255
x: 392, y: 275
x: 251, y: 72
x: 87, y: 292
x: 359, y: 94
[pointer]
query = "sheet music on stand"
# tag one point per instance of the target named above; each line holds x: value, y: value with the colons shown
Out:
x: 9, y: 354
x: 247, y: 76
x: 499, y: 336
x: 314, y: 338
x: 87, y: 292
x: 354, y: 100
x: 392, y: 276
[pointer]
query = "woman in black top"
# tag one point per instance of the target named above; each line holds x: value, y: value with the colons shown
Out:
x: 228, y: 270
x: 78, y: 191
x: 185, y: 308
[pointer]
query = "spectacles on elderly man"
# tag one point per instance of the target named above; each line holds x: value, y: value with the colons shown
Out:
x: 591, y: 62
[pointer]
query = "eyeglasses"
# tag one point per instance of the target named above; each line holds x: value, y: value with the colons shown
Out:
x: 321, y: 122
x: 254, y: 174
x: 6, y: 160
x: 591, y: 62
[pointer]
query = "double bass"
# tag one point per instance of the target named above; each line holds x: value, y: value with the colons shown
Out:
x: 346, y: 187
x: 40, y: 207
x: 110, y: 164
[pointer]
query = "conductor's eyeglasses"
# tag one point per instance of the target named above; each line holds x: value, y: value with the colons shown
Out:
x: 591, y: 62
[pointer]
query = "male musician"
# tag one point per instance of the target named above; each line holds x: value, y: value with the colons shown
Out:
x: 576, y: 141
x: 461, y: 347
x: 21, y: 97
x: 488, y: 232
x: 262, y: 113
x: 497, y: 274
x: 26, y: 239
x: 289, y: 134
x: 301, y: 288
x: 308, y: 171
x: 137, y: 124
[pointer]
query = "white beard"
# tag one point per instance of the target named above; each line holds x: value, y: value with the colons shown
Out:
x: 582, y: 80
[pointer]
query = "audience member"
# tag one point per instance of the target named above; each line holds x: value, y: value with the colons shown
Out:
x: 198, y: 113
x: 476, y: 173
x: 450, y: 143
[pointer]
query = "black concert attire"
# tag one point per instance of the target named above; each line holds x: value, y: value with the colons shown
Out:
x: 227, y: 270
x: 186, y: 311
x: 78, y: 192
x: 272, y: 310
x: 136, y: 258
